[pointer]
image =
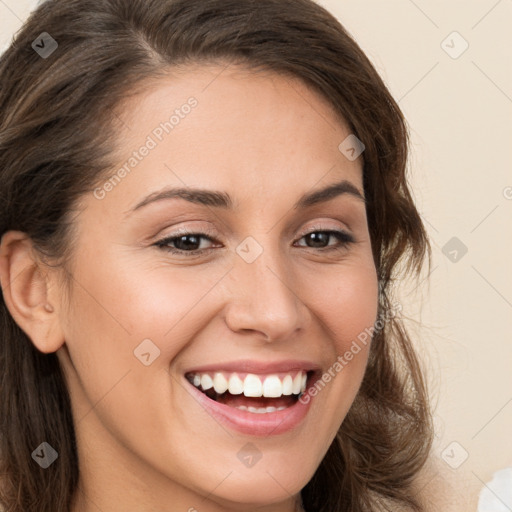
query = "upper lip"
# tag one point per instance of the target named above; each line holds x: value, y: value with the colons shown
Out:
x: 256, y: 367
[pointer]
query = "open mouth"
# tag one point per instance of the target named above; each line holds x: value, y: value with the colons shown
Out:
x: 259, y: 394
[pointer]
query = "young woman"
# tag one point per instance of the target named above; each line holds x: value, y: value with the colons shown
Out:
x: 203, y: 207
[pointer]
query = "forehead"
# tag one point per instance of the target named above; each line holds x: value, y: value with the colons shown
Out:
x: 229, y: 96
x: 227, y: 82
x: 253, y: 131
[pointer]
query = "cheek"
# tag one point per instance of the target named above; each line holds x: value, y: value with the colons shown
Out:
x: 346, y: 306
x: 115, y: 305
x: 345, y: 300
x: 129, y: 300
x: 168, y: 305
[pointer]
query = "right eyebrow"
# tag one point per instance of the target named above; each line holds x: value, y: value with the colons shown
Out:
x: 198, y: 196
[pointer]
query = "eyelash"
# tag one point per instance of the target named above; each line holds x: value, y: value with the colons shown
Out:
x: 344, y: 238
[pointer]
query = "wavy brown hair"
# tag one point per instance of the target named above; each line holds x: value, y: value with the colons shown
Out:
x: 57, y: 140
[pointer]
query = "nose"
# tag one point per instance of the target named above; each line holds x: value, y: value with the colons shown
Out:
x: 264, y: 300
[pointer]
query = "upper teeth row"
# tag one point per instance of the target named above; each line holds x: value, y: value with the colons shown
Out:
x: 252, y: 385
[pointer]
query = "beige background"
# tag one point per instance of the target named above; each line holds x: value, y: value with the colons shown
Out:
x: 459, y: 112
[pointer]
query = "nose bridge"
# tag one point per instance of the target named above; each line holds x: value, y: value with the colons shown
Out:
x: 263, y: 298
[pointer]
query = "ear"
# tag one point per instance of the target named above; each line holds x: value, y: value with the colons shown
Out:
x: 26, y: 284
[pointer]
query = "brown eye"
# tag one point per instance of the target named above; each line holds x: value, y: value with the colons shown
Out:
x: 184, y: 243
x: 320, y: 239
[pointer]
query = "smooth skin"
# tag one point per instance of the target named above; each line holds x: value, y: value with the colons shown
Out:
x: 144, y: 442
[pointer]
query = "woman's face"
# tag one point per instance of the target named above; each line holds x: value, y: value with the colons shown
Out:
x: 259, y: 293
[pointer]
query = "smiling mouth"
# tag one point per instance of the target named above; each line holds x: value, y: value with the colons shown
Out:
x: 251, y: 392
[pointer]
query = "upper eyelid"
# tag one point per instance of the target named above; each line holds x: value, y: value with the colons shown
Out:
x: 320, y: 227
x: 213, y: 233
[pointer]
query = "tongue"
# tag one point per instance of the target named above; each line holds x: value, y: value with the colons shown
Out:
x: 261, y: 401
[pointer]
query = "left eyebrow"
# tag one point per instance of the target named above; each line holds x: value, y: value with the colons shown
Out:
x: 329, y: 192
x: 223, y: 200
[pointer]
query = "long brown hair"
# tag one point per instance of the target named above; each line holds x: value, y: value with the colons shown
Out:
x: 57, y: 134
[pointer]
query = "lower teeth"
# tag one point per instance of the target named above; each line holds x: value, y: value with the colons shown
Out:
x: 260, y: 410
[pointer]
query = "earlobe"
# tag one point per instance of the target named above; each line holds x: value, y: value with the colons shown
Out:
x: 25, y: 289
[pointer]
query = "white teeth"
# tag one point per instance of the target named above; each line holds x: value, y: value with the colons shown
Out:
x: 252, y: 386
x: 297, y: 382
x: 272, y: 387
x: 220, y: 384
x: 288, y: 385
x: 206, y: 381
x: 260, y: 409
x: 236, y: 385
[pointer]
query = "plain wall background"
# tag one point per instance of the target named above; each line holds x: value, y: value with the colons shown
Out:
x: 459, y: 111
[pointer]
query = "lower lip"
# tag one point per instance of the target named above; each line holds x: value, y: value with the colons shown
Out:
x: 254, y: 424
